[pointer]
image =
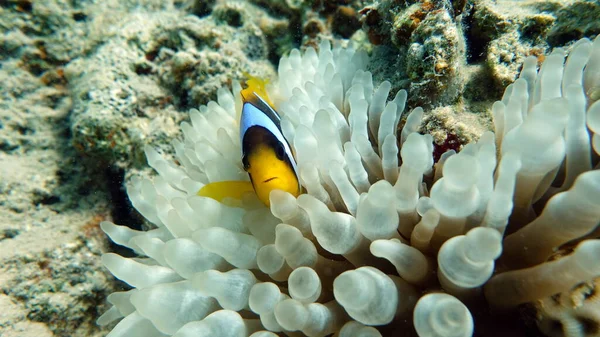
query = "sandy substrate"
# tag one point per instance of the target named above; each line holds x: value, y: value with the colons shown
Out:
x: 51, y: 280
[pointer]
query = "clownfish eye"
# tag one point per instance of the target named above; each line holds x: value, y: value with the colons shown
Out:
x: 279, y: 151
x: 245, y: 163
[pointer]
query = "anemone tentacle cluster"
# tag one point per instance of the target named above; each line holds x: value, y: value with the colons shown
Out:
x: 382, y: 236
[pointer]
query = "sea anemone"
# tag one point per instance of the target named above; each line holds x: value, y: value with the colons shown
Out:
x: 382, y: 239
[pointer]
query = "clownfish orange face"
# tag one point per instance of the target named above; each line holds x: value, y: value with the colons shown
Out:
x: 266, y: 154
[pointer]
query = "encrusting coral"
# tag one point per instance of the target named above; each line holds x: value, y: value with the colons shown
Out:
x: 382, y: 236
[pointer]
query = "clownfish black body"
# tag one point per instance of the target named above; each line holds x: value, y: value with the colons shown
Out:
x: 266, y: 154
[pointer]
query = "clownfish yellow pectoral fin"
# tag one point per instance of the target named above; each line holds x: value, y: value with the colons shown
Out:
x: 256, y: 86
x: 222, y: 191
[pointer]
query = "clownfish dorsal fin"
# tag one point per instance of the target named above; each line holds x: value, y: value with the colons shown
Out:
x: 255, y: 94
x: 256, y: 90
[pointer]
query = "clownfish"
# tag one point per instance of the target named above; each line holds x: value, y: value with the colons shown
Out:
x: 266, y: 154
